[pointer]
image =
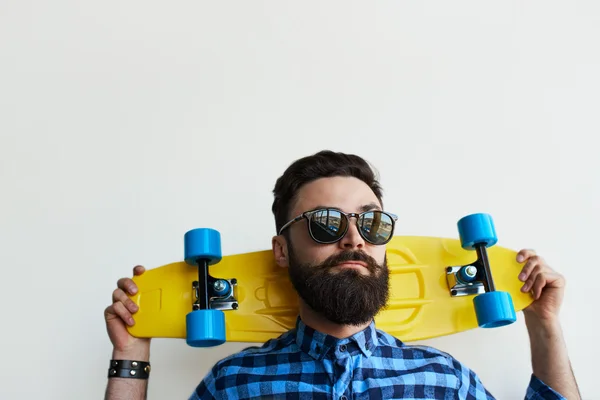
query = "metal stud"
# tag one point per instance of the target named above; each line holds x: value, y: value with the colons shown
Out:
x: 219, y: 285
x: 471, y: 271
x: 113, y: 371
x: 132, y: 372
x: 115, y: 363
x: 134, y: 364
x: 147, y: 369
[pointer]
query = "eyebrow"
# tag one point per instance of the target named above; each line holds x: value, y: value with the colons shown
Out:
x: 363, y: 208
x: 370, y: 206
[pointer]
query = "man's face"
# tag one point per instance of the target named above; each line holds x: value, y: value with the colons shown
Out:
x: 347, y: 281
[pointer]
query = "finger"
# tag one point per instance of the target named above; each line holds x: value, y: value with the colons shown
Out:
x: 529, y: 266
x: 122, y: 312
x: 109, y: 312
x: 525, y: 254
x: 120, y: 296
x: 127, y: 285
x: 538, y: 285
x: 138, y: 270
x: 552, y: 279
x: 531, y: 278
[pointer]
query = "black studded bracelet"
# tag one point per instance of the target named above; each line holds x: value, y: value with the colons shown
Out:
x: 129, y: 369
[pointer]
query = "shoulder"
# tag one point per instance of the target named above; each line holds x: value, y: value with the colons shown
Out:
x: 431, y: 359
x: 389, y: 343
x: 282, y: 345
x: 254, y: 358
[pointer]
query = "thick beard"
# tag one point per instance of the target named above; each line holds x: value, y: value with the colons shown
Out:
x: 346, y: 296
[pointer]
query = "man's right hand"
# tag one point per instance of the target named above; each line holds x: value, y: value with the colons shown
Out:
x: 119, y: 315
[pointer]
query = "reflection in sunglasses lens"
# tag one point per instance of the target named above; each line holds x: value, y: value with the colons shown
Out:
x: 327, y: 225
x: 376, y: 226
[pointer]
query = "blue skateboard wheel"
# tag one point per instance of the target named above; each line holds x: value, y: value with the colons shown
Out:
x: 494, y: 309
x: 477, y: 229
x: 202, y: 243
x: 205, y: 328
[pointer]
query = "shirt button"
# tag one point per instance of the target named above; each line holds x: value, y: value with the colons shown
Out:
x: 343, y: 348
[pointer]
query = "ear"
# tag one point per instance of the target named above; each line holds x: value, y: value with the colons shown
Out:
x: 280, y: 250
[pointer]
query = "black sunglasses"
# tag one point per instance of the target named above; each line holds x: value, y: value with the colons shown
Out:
x: 329, y: 225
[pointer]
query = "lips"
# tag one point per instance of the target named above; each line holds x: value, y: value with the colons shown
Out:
x: 353, y: 264
x: 351, y: 260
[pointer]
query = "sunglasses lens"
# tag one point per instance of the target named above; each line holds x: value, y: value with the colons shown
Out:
x: 376, y: 227
x: 327, y: 225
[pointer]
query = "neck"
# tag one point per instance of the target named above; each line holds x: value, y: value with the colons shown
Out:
x: 323, y: 325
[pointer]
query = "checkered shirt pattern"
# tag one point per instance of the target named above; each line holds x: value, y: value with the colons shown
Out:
x: 306, y: 364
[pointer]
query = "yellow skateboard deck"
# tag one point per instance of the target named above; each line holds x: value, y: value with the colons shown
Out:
x: 421, y: 305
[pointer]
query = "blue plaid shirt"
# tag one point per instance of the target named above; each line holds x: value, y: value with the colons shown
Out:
x: 306, y: 364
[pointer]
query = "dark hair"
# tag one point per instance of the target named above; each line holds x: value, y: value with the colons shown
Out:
x: 323, y: 164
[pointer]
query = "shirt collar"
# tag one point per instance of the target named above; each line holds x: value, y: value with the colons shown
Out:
x: 318, y: 344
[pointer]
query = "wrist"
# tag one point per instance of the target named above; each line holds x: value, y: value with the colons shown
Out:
x: 545, y: 323
x: 139, y: 352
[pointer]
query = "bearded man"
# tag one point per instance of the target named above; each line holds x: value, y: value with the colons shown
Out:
x: 332, y: 230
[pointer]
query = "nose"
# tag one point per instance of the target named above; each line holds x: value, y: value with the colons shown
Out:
x: 352, y: 239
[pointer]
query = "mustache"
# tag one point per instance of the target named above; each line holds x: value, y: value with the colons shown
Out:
x: 350, y: 255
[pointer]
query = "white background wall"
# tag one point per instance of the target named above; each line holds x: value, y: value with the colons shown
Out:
x: 124, y: 124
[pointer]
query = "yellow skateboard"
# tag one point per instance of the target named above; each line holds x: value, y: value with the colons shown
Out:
x: 439, y: 286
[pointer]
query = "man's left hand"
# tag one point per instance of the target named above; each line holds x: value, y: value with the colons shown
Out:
x: 546, y: 285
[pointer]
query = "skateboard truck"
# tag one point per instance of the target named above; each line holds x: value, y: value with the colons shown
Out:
x: 212, y: 293
x: 474, y: 278
x: 205, y: 324
x: 492, y: 308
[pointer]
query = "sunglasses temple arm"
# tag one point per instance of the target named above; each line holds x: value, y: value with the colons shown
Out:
x: 298, y: 218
